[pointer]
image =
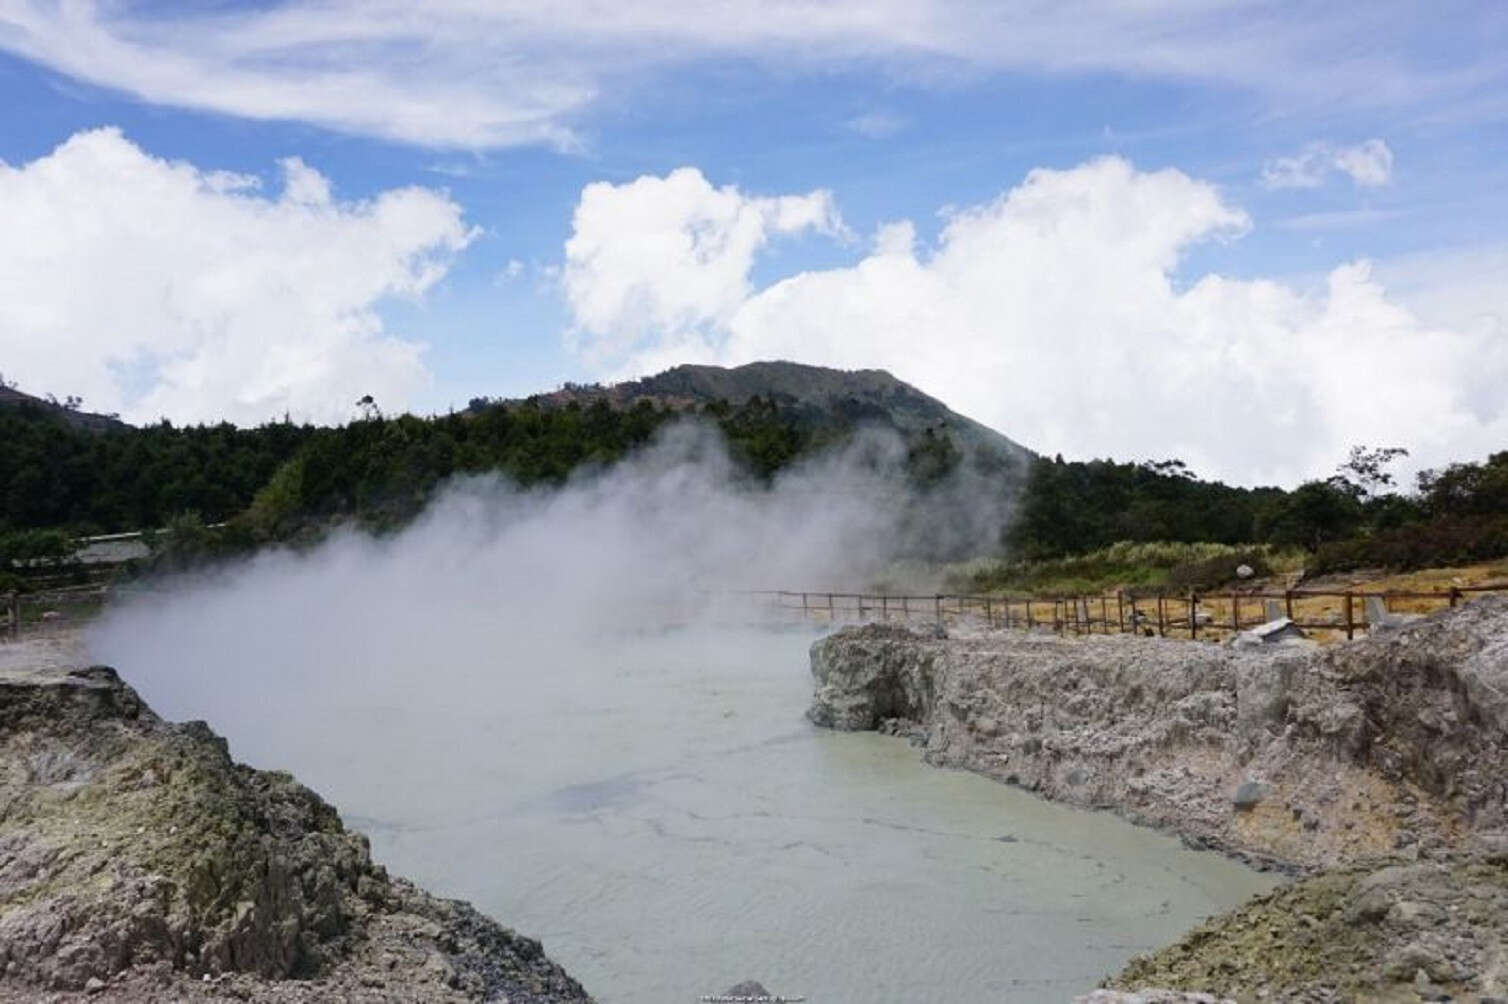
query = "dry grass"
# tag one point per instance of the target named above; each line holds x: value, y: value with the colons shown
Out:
x: 1331, y: 609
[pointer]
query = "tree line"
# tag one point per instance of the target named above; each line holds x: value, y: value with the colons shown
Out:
x: 377, y: 470
x: 281, y: 480
x: 1358, y: 517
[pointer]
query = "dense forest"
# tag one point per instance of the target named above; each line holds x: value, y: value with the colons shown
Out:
x: 282, y: 480
x: 379, y: 470
x: 1356, y: 518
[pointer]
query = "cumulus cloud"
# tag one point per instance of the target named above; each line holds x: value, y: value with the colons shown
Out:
x: 462, y: 74
x: 156, y: 288
x: 1059, y: 314
x: 671, y: 254
x: 1368, y: 164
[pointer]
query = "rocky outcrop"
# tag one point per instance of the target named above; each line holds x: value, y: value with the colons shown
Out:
x: 138, y: 861
x: 1395, y: 743
x: 1427, y: 930
x: 1377, y: 769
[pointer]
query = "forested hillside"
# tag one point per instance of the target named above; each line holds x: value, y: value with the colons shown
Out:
x: 54, y: 474
x: 280, y: 480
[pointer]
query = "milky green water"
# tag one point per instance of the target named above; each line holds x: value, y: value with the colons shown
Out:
x: 660, y: 814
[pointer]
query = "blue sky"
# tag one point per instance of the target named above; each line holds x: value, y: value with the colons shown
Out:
x: 1369, y: 136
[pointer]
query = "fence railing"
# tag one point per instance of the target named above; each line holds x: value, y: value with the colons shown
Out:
x: 1209, y: 614
x: 23, y: 613
x: 1192, y: 615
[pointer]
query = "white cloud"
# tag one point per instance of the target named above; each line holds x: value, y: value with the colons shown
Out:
x: 1369, y: 165
x: 876, y: 125
x: 463, y: 74
x: 671, y: 254
x: 156, y: 288
x: 1052, y: 313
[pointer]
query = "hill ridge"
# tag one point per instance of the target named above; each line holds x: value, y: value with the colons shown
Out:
x: 818, y: 391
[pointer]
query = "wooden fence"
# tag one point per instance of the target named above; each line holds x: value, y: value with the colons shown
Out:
x: 1190, y: 615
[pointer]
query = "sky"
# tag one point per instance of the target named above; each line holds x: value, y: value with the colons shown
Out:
x: 1248, y: 235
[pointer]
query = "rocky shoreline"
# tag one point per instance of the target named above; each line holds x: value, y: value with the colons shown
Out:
x: 1376, y: 771
x: 138, y: 862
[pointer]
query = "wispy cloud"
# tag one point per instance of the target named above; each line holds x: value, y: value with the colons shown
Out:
x: 1368, y: 164
x: 463, y: 75
x: 876, y: 124
x: 1337, y: 220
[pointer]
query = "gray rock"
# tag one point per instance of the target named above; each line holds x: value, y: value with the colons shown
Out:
x: 1396, y: 739
x: 1249, y: 795
x: 254, y: 881
x: 1163, y: 726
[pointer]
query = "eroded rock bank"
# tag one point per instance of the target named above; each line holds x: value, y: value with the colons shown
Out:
x: 1343, y: 764
x: 139, y: 862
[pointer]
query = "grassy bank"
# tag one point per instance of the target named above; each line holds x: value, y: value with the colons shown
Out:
x: 1130, y: 565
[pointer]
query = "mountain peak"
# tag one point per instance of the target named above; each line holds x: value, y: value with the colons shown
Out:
x: 817, y: 393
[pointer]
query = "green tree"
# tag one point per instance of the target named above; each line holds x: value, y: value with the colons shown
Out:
x: 1311, y: 515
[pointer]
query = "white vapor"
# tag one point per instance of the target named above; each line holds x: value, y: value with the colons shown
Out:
x: 491, y: 579
x: 461, y: 74
x: 1368, y: 164
x: 157, y: 288
x: 1055, y: 313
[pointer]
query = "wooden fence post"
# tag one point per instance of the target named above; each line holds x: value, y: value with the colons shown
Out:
x: 1455, y: 595
x: 1350, y: 622
x: 938, y: 600
x: 1162, y: 619
x: 885, y: 608
x: 1235, y: 611
x: 1120, y: 610
x: 1104, y: 614
x: 1030, y: 622
x: 1193, y: 615
x: 1288, y: 602
x: 831, y: 613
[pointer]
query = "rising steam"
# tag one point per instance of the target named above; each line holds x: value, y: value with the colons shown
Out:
x: 493, y: 582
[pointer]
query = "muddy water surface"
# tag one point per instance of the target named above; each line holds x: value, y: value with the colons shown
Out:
x: 659, y: 813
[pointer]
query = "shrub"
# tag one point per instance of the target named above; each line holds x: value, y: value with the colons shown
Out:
x: 1457, y: 540
x: 1142, y: 566
x: 1217, y: 572
x: 37, y: 549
